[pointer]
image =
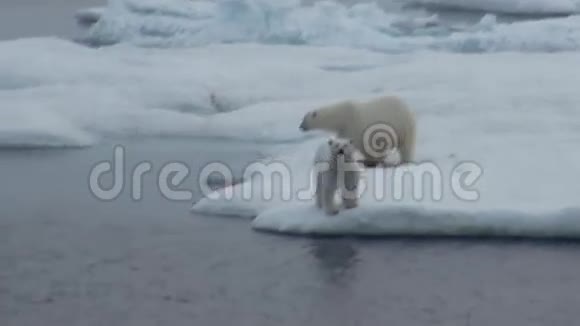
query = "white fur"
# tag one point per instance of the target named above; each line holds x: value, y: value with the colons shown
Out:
x: 350, y: 119
x: 336, y: 169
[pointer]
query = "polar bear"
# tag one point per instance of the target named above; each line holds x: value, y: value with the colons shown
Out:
x: 376, y: 127
x: 337, y: 169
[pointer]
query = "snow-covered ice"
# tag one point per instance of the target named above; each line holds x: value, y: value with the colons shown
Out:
x: 213, y: 91
x: 326, y: 23
x: 123, y: 91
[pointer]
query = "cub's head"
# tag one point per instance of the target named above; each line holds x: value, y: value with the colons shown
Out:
x: 342, y: 147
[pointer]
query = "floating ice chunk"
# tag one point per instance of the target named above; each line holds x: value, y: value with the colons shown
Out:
x: 383, y: 220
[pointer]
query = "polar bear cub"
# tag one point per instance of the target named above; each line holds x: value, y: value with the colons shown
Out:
x: 337, y: 170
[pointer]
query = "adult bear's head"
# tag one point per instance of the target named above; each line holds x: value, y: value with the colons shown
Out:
x: 329, y: 118
x: 310, y: 121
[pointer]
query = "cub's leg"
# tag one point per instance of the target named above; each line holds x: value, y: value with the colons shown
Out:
x: 329, y: 191
x: 350, y: 190
x: 319, y: 189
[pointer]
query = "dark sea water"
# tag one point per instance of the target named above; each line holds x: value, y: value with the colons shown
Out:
x: 32, y: 18
x: 68, y: 258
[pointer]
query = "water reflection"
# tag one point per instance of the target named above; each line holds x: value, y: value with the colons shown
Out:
x: 337, y: 259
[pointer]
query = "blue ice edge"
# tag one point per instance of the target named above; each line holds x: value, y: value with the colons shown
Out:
x: 378, y: 220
